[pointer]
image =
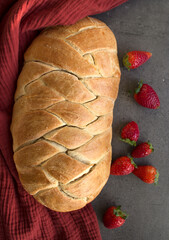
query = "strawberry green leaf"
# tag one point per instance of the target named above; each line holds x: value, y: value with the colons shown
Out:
x: 140, y: 84
x: 127, y: 140
x: 151, y: 146
x: 126, y: 62
x: 156, y: 178
x: 119, y: 213
x: 132, y: 162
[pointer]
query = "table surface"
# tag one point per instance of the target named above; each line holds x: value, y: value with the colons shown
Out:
x: 140, y: 25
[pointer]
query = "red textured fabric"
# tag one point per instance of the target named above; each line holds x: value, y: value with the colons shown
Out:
x: 22, y: 218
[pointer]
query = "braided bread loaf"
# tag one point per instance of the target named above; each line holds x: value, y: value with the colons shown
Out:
x: 63, y: 112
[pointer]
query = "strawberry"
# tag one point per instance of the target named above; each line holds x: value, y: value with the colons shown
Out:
x: 147, y: 174
x: 142, y: 150
x: 130, y: 133
x: 134, y: 59
x: 122, y: 166
x: 114, y: 217
x: 146, y: 96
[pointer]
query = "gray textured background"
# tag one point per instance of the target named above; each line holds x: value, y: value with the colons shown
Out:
x: 140, y: 25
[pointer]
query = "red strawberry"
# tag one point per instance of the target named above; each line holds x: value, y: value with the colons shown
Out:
x: 147, y: 174
x: 114, y: 217
x: 146, y: 96
x: 134, y: 59
x: 130, y: 133
x: 142, y: 150
x: 122, y: 166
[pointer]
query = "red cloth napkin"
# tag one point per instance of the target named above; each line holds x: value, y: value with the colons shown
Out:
x: 21, y: 217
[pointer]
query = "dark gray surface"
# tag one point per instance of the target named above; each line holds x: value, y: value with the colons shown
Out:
x: 140, y: 25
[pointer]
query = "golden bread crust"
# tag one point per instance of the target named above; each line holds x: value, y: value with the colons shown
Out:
x: 63, y: 114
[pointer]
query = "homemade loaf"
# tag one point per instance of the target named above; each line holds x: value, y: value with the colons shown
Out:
x: 63, y: 112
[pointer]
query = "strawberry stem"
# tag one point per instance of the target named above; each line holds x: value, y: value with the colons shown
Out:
x: 140, y: 84
x: 119, y: 213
